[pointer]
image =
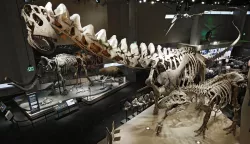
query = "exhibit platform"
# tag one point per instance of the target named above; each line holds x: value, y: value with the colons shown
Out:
x: 88, y: 94
x: 177, y: 129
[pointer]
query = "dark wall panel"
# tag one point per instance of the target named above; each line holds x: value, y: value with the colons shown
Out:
x: 118, y: 19
x: 13, y: 56
x: 246, y: 29
x: 90, y: 12
x: 14, y: 60
x: 152, y: 24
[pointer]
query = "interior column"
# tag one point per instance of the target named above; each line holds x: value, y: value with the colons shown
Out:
x: 195, y: 31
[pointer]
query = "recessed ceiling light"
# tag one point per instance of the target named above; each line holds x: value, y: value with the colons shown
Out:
x: 152, y: 2
x: 202, y: 2
x: 144, y: 0
x: 193, y: 0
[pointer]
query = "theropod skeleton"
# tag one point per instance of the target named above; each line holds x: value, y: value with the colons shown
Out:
x: 60, y: 64
x: 48, y: 27
x: 212, y: 94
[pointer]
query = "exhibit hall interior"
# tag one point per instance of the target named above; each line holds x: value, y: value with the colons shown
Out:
x: 125, y: 72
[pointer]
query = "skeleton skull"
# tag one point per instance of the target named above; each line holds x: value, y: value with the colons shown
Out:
x: 41, y: 35
x: 236, y: 77
x: 47, y: 64
x: 176, y: 97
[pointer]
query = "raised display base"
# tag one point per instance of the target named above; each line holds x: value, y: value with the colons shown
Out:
x: 111, y: 89
x: 177, y: 129
x: 88, y: 94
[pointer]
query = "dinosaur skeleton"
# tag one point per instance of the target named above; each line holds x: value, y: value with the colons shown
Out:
x: 48, y: 27
x: 215, y: 94
x: 60, y: 64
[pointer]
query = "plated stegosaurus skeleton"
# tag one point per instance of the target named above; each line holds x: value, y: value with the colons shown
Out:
x: 215, y: 93
x: 47, y: 28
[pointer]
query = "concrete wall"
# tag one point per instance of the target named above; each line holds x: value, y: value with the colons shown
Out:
x: 89, y: 11
x: 246, y: 29
x: 118, y: 18
x: 14, y: 56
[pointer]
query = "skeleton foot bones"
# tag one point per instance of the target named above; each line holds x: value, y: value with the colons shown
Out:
x: 218, y: 92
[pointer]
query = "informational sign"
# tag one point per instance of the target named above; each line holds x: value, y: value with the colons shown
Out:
x: 70, y: 102
x: 61, y: 106
x: 33, y: 102
x: 9, y: 115
x: 2, y: 107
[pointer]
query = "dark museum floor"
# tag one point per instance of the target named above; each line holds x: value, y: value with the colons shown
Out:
x: 86, y: 126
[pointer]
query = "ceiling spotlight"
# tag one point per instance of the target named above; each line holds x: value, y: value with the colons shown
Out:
x: 215, y: 43
x: 202, y: 2
x: 193, y: 0
x: 157, y: 0
x: 152, y: 2
x: 144, y: 0
x: 218, y: 2
x: 140, y: 1
x: 215, y: 2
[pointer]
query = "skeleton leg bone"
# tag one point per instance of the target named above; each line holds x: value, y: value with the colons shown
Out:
x: 232, y: 128
x: 149, y: 83
x: 168, y: 111
x: 65, y: 91
x: 207, y: 110
x: 86, y: 74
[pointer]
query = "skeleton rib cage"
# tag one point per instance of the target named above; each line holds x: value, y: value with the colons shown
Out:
x: 217, y: 90
x: 65, y: 62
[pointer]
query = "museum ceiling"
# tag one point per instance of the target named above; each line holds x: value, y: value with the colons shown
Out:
x: 191, y: 2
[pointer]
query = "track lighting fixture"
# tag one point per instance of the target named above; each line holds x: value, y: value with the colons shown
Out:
x: 194, y: 2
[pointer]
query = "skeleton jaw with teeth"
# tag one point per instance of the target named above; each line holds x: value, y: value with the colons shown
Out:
x: 41, y: 35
